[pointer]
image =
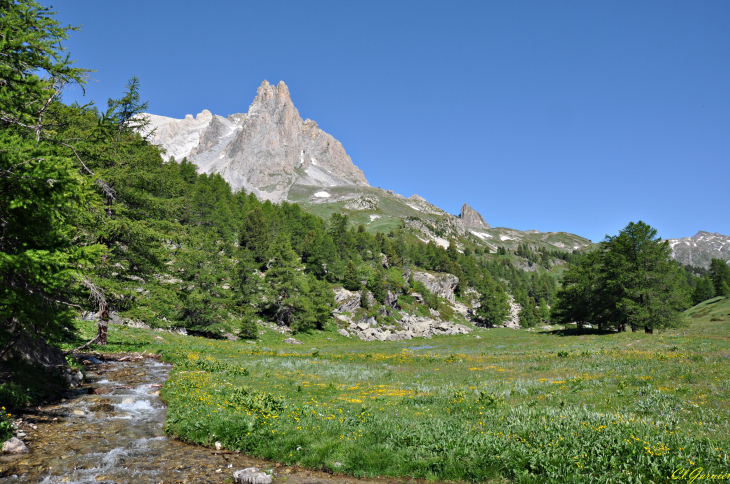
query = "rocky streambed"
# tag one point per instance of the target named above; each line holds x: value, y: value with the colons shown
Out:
x: 109, y: 430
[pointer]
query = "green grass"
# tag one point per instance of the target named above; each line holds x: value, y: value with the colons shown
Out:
x: 713, y: 310
x: 522, y: 406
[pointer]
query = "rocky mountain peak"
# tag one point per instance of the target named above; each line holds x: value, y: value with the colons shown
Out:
x: 472, y: 219
x: 699, y: 249
x: 416, y: 198
x: 266, y: 150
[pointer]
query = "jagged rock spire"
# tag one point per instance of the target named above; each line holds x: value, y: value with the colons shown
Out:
x: 472, y: 219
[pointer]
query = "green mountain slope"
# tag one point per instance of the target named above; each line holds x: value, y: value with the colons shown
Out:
x: 715, y: 309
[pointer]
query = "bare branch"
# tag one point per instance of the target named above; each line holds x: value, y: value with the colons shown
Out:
x: 57, y: 88
x: 82, y: 346
x: 96, y: 295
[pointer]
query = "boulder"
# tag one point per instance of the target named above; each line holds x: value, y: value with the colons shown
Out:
x: 36, y: 351
x: 346, y: 301
x: 343, y: 332
x: 73, y: 377
x: 15, y: 446
x: 251, y: 475
x: 293, y: 341
x: 442, y: 285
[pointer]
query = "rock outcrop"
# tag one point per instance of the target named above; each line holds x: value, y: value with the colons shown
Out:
x: 472, y: 219
x: 408, y: 327
x: 265, y: 150
x: 441, y: 284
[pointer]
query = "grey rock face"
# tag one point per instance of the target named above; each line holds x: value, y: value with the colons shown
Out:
x: 442, y: 284
x: 472, y: 219
x: 700, y: 249
x: 15, y: 446
x: 347, y: 301
x: 266, y: 150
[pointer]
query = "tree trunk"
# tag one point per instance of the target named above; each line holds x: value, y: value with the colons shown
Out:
x: 648, y: 330
x: 622, y: 327
x: 633, y: 328
x: 580, y: 324
x: 102, y: 328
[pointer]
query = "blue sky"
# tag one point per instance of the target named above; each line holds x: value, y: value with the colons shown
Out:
x: 555, y: 116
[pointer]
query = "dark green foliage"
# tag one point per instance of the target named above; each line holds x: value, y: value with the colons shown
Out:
x: 631, y: 280
x: 47, y: 201
x: 351, y: 281
x: 704, y: 290
x: 376, y: 285
x: 494, y: 305
x: 255, y: 235
x: 720, y: 273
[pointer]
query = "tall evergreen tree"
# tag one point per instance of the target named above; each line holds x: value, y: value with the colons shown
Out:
x: 719, y: 273
x: 493, y: 303
x: 351, y: 281
x: 629, y: 280
x: 640, y: 271
x: 704, y: 290
x: 288, y: 286
x: 376, y: 285
x: 254, y: 235
x: 47, y: 202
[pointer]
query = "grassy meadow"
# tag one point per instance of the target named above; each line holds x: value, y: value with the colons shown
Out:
x: 510, y: 406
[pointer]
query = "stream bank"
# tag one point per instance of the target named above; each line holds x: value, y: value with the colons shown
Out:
x: 110, y: 430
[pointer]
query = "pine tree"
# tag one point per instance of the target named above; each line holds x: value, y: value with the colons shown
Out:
x: 254, y: 235
x: 704, y: 290
x: 351, y: 281
x: 493, y: 303
x: 544, y: 310
x: 288, y: 287
x: 322, y: 303
x: 47, y: 199
x: 719, y: 273
x: 376, y: 285
x: 630, y: 280
x: 452, y: 252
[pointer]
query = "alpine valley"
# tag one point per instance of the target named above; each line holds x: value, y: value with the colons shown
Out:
x: 271, y: 151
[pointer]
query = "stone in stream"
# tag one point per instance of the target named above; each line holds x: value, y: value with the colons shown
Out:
x: 251, y: 475
x: 16, y: 446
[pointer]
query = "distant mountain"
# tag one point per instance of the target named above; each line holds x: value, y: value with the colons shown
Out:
x: 272, y: 152
x: 699, y: 249
x: 266, y: 150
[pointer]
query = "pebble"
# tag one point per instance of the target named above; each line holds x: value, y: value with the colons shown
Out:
x: 251, y: 475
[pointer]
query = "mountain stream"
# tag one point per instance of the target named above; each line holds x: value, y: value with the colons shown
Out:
x: 110, y: 431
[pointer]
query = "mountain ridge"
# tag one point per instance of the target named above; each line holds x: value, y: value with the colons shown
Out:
x: 700, y: 248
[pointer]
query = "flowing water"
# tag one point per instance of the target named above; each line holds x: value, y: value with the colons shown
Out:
x: 110, y: 431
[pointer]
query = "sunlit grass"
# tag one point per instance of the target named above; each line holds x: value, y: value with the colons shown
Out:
x: 525, y: 406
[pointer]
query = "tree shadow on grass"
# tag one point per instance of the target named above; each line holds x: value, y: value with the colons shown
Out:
x: 579, y: 332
